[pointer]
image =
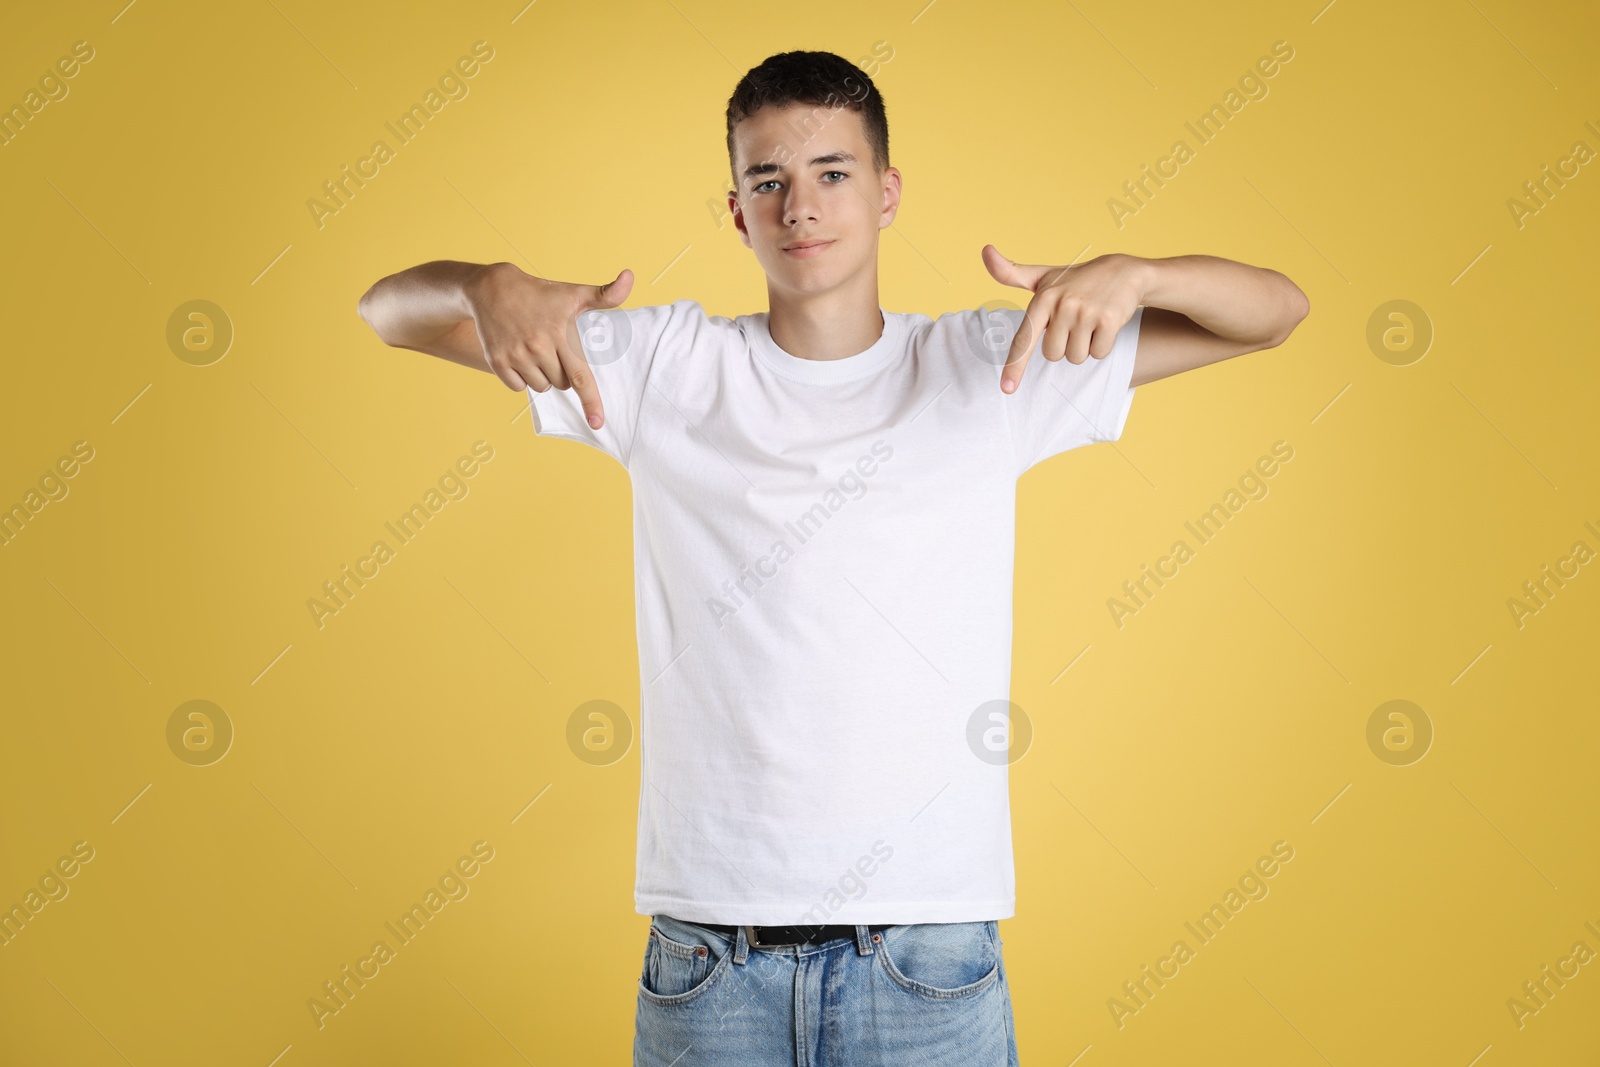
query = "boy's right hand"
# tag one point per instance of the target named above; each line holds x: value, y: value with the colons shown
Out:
x: 528, y: 327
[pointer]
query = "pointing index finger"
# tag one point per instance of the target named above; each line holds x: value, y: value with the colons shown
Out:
x: 581, y: 376
x: 1023, y: 342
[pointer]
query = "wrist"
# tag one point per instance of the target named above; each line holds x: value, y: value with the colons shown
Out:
x: 476, y: 280
x: 1148, y: 275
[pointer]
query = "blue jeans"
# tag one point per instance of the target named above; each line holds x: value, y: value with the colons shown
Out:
x: 920, y: 994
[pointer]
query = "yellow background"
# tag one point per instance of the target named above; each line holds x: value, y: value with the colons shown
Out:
x: 1228, y: 714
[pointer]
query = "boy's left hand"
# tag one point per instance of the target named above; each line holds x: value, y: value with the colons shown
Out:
x: 1079, y: 308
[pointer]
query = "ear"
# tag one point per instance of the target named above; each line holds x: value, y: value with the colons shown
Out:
x: 738, y: 218
x: 891, y: 198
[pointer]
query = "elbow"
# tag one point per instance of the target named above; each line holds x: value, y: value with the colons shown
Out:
x: 1296, y: 307
x: 366, y: 310
x: 1301, y: 304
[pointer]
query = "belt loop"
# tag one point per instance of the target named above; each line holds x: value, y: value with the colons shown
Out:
x: 863, y: 940
x: 741, y: 946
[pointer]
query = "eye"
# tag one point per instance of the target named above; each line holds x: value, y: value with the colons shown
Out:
x: 773, y: 181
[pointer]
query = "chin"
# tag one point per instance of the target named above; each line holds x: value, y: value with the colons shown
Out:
x: 809, y: 283
x: 807, y: 275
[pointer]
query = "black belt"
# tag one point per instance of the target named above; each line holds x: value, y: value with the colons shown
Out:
x: 790, y: 935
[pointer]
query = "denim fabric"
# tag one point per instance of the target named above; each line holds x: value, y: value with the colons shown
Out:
x: 921, y: 994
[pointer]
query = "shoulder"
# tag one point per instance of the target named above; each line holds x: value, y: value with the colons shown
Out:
x: 677, y: 315
x: 974, y: 340
x: 652, y: 332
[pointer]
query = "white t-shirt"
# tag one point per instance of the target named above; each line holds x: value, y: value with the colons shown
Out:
x: 823, y: 556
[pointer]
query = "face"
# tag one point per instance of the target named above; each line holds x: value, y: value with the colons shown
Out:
x: 805, y: 175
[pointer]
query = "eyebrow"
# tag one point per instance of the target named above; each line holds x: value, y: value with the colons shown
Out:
x: 758, y: 169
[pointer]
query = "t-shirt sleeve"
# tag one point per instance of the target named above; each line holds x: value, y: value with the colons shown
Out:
x: 621, y: 345
x: 1060, y: 405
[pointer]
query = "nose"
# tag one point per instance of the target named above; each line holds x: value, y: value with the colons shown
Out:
x: 799, y: 206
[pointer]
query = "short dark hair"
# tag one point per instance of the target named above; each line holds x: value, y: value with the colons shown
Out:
x: 818, y: 78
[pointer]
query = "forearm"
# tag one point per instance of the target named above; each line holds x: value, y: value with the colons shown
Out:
x: 420, y: 303
x: 1233, y: 300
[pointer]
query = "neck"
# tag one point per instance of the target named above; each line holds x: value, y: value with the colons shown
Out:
x: 831, y: 325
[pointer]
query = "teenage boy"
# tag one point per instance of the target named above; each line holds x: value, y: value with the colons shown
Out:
x: 823, y: 508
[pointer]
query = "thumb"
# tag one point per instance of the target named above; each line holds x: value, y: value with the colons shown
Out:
x: 1021, y: 275
x: 612, y: 293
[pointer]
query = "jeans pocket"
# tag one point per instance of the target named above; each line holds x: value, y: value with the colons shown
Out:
x: 942, y: 961
x: 681, y: 962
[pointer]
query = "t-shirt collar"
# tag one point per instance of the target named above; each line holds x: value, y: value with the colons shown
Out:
x: 825, y: 371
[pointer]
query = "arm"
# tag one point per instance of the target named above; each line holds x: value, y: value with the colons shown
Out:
x: 495, y: 318
x: 1198, y: 310
x: 1201, y: 310
x: 426, y: 310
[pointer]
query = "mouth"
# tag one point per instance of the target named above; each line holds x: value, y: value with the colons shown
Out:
x: 806, y: 249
